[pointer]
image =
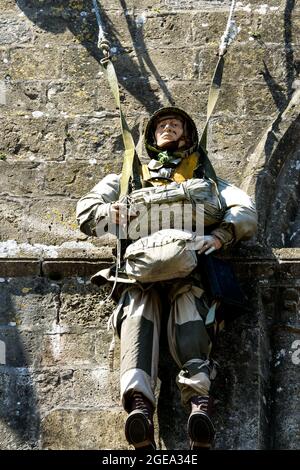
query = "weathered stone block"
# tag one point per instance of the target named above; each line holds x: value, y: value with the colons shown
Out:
x: 26, y: 64
x: 84, y: 304
x: 26, y: 267
x: 13, y: 213
x: 94, y: 97
x: 258, y: 100
x: 163, y: 30
x: 278, y: 27
x: 84, y: 429
x: 57, y: 347
x: 29, y: 303
x: 74, y: 252
x: 133, y: 4
x: 51, y: 28
x: 14, y: 30
x: 4, y: 72
x: 96, y: 387
x: 230, y: 141
x: 32, y: 138
x: 59, y: 179
x: 78, y: 97
x: 14, y: 440
x: 16, y: 391
x: 20, y: 178
x: 53, y: 387
x: 7, y: 5
x: 122, y: 29
x: 70, y: 179
x: 256, y: 4
x: 21, y: 350
x: 24, y: 95
x: 245, y: 417
x: 91, y: 387
x: 285, y: 385
x: 245, y: 63
x: 129, y: 65
x: 82, y: 348
x: 78, y: 63
x: 189, y: 95
x: 48, y: 221
x: 52, y: 221
x: 96, y: 140
x: 208, y: 27
x: 19, y: 414
x: 230, y: 100
x: 164, y: 62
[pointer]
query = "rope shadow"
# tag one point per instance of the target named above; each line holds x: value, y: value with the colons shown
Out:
x: 56, y: 17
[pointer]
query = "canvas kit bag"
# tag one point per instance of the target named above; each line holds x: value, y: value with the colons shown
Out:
x: 165, y: 255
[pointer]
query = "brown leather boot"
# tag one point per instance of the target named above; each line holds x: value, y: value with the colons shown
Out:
x: 200, y: 427
x: 139, y: 429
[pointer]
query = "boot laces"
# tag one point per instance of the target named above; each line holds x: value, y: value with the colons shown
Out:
x: 202, y: 403
x: 139, y: 403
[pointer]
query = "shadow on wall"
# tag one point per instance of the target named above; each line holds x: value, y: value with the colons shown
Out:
x: 279, y: 191
x: 55, y: 16
x: 55, y: 368
x: 19, y: 414
x: 292, y: 66
x: 278, y: 181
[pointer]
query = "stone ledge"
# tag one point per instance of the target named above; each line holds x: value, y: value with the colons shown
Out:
x: 20, y: 267
x: 286, y: 263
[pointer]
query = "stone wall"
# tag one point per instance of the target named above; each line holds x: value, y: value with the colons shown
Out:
x: 59, y: 134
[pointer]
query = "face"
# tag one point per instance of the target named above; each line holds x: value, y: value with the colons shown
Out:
x: 167, y: 131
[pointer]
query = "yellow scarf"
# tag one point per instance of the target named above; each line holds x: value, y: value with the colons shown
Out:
x: 184, y: 171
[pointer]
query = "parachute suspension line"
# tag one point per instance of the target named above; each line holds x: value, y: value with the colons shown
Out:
x: 103, y: 43
x: 215, y: 87
x: 230, y: 31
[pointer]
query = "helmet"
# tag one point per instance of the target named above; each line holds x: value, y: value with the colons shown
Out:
x: 190, y: 133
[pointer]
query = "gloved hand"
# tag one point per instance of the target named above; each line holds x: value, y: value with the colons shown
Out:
x: 121, y: 214
x: 206, y: 244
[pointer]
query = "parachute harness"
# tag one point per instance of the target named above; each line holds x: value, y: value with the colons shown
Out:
x: 129, y: 154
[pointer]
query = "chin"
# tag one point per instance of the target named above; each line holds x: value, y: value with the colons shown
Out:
x: 167, y: 142
x: 168, y: 145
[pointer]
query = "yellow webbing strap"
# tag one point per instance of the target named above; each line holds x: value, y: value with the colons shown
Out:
x: 103, y: 43
x: 213, y: 96
x: 145, y: 172
x: 126, y: 134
